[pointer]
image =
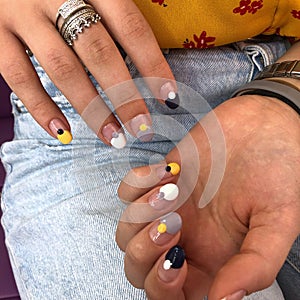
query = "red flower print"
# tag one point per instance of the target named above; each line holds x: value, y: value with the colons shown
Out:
x: 160, y: 2
x: 247, y: 6
x: 189, y: 44
x: 256, y: 5
x: 200, y: 42
x: 243, y: 8
x: 296, y: 14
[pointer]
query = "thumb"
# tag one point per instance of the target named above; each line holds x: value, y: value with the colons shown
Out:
x: 255, y: 267
x: 167, y: 277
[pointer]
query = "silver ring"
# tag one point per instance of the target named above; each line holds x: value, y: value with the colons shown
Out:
x: 77, y: 15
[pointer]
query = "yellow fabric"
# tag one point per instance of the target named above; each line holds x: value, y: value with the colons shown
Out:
x: 208, y: 23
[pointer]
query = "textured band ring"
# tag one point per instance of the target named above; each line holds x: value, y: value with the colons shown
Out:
x: 67, y: 8
x: 77, y: 15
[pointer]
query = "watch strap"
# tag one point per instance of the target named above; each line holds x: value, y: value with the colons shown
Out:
x: 270, y: 88
x: 289, y: 69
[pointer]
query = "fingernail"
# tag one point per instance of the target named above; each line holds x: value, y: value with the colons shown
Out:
x: 59, y: 130
x: 170, y: 268
x: 165, y: 228
x: 165, y: 196
x: 141, y: 126
x: 171, y: 169
x: 236, y: 296
x: 114, y: 135
x: 168, y: 93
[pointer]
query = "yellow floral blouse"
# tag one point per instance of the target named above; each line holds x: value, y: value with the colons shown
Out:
x: 209, y: 23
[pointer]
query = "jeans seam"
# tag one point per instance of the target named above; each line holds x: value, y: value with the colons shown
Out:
x: 293, y: 265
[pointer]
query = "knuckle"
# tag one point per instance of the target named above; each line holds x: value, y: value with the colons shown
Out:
x: 38, y: 109
x: 17, y: 75
x: 134, y: 26
x: 123, y: 95
x: 100, y: 51
x: 156, y: 66
x: 133, y: 258
x: 61, y: 66
x: 135, y: 253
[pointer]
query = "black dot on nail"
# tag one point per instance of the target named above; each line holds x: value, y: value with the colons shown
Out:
x: 168, y: 169
x: 173, y: 103
x: 60, y: 131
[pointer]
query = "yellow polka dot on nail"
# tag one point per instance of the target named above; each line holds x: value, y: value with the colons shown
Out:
x: 175, y: 168
x: 143, y: 127
x: 65, y: 137
x: 162, y: 228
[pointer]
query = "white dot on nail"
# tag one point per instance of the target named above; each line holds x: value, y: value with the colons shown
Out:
x: 119, y: 142
x: 172, y: 95
x: 170, y: 191
x: 167, y: 265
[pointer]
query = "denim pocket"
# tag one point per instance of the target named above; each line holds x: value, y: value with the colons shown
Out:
x: 263, y: 53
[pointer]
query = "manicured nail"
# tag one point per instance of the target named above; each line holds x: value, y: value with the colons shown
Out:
x: 165, y: 228
x: 170, y: 268
x: 59, y: 130
x: 114, y: 135
x: 141, y: 126
x: 165, y: 196
x: 171, y: 169
x: 168, y: 93
x: 236, y: 296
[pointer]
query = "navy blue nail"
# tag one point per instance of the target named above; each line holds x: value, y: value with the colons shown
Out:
x: 174, y: 258
x: 173, y: 100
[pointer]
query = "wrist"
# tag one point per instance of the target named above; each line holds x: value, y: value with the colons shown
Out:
x: 292, y: 82
x: 263, y: 111
x: 281, y: 91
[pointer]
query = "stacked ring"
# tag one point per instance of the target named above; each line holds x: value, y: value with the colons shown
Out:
x: 77, y: 15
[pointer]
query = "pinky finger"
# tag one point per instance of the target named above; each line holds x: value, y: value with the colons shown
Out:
x: 167, y: 277
x: 19, y: 73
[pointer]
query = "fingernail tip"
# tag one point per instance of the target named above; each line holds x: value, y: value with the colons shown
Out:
x: 65, y: 137
x: 119, y: 142
x: 177, y: 256
x: 173, y: 101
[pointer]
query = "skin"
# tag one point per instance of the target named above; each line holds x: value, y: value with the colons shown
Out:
x: 32, y: 24
x: 240, y: 240
x: 257, y: 203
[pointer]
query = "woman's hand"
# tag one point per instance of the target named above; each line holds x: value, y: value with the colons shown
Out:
x: 237, y: 235
x: 32, y: 24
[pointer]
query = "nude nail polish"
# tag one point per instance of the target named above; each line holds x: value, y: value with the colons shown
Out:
x: 236, y: 296
x: 170, y: 170
x: 165, y: 197
x: 141, y: 127
x: 169, y: 95
x: 114, y: 135
x: 172, y: 264
x: 60, y: 131
x: 165, y: 228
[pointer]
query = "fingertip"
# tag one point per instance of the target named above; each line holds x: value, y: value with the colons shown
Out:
x: 166, y: 279
x: 141, y: 126
x: 114, y: 135
x: 61, y: 130
x: 168, y: 92
x: 169, y: 268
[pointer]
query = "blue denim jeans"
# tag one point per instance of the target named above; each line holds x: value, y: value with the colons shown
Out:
x: 60, y: 204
